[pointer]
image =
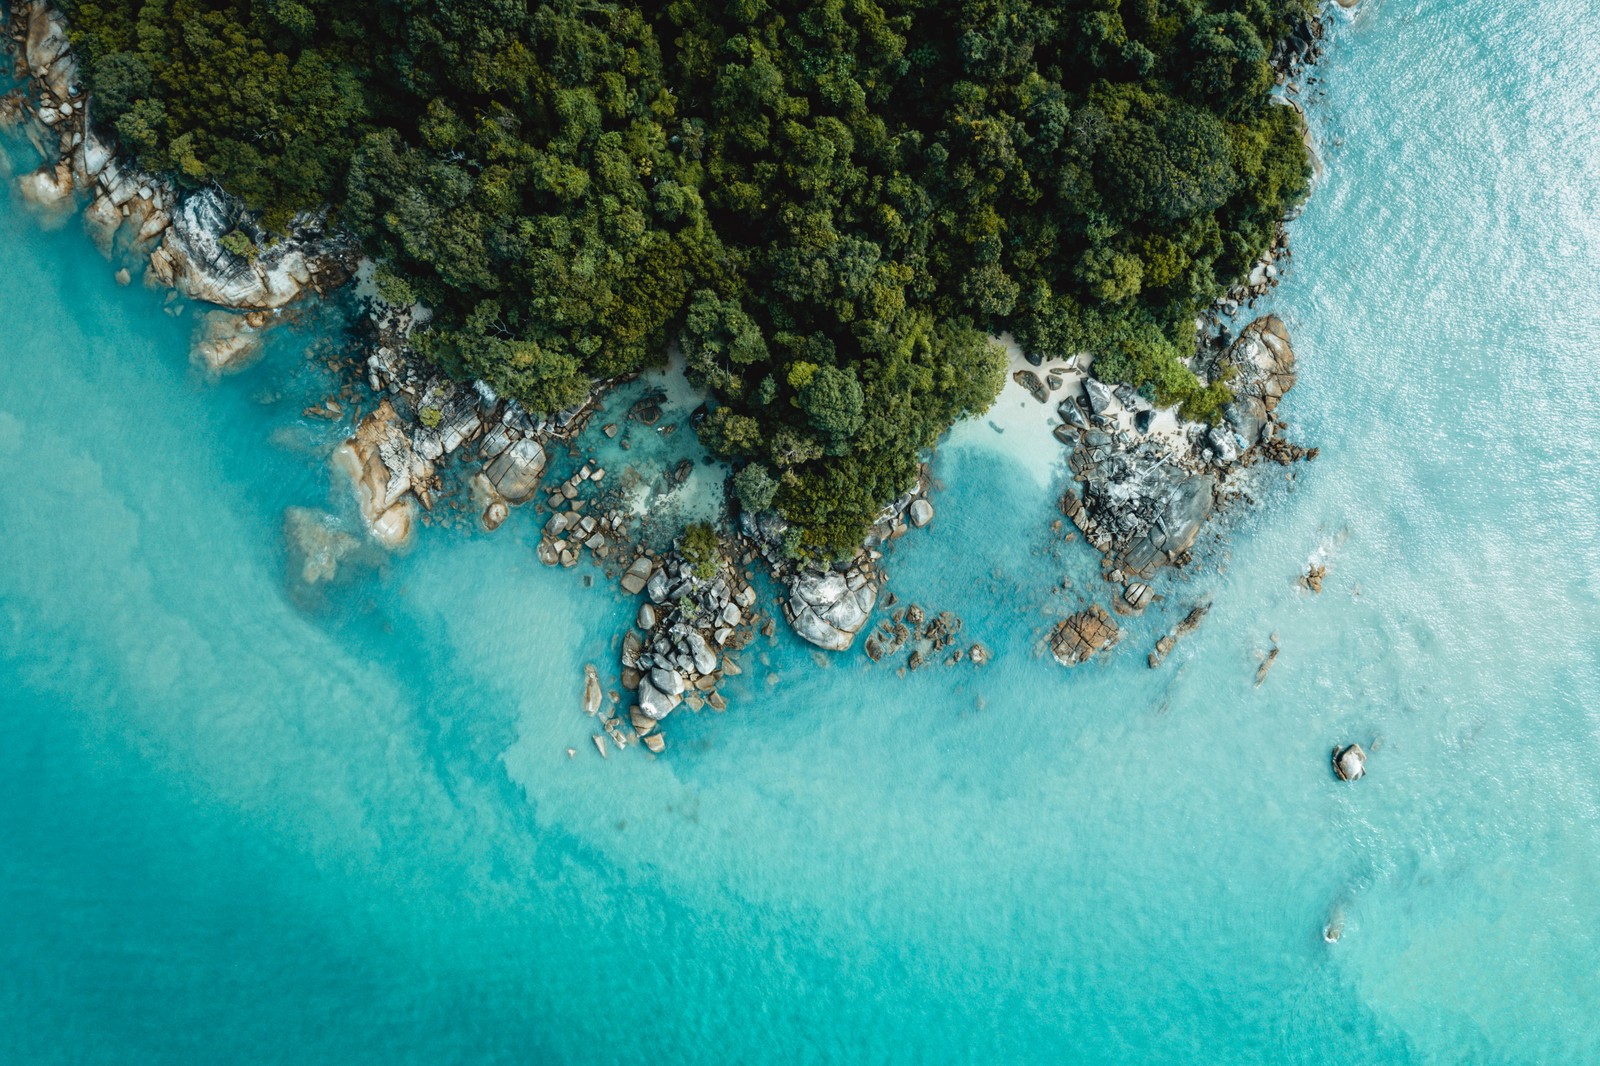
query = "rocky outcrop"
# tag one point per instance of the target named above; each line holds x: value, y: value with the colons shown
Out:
x: 1263, y: 364
x: 1084, y: 634
x: 1350, y: 763
x: 515, y: 472
x: 680, y: 658
x: 1146, y: 487
x: 388, y: 474
x: 828, y: 608
x: 275, y: 271
x: 142, y: 214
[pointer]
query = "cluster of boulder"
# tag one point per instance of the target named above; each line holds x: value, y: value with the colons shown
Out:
x: 569, y: 530
x: 1145, y: 486
x: 927, y: 635
x: 1080, y: 636
x: 676, y: 653
x: 424, y: 418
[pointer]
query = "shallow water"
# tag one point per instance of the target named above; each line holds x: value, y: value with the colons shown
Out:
x: 244, y: 823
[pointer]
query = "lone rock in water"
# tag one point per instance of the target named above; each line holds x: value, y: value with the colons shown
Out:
x: 1350, y: 763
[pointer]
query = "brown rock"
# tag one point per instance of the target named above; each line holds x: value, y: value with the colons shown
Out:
x: 1079, y: 637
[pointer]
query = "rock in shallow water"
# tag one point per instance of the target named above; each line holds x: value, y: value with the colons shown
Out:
x: 1079, y: 637
x: 1350, y: 762
x: 824, y: 609
x: 225, y: 342
x: 385, y: 471
x: 316, y: 543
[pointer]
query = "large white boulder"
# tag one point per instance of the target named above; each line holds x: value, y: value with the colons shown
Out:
x: 828, y: 609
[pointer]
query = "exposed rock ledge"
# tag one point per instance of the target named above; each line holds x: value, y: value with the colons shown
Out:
x: 142, y: 215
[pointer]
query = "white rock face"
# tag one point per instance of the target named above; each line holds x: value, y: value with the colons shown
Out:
x: 192, y: 260
x: 826, y: 611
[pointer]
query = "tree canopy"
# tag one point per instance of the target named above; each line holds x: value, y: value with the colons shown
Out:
x: 827, y: 204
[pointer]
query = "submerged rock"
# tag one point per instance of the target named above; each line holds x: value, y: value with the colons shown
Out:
x: 1190, y: 623
x: 225, y: 342
x: 591, y: 690
x: 316, y: 543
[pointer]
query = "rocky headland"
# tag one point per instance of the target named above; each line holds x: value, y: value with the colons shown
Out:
x: 1145, y: 480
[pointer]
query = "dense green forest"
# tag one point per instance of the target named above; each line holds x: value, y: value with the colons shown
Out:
x: 829, y: 204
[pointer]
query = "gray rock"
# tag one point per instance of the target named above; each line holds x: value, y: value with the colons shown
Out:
x: 639, y: 573
x: 655, y: 703
x: 921, y: 512
x: 1102, y: 400
x: 731, y: 615
x: 1072, y: 414
x: 825, y: 611
x: 647, y: 617
x: 515, y: 472
x: 667, y: 681
x: 705, y: 660
x: 659, y: 587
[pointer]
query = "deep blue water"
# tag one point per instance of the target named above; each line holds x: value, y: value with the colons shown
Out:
x: 241, y: 822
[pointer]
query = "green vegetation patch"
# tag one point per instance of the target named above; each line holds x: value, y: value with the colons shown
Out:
x: 830, y: 205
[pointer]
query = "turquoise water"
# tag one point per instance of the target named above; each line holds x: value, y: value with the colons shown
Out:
x: 241, y: 822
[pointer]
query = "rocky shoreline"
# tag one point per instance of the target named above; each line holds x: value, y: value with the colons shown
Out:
x: 1145, y: 481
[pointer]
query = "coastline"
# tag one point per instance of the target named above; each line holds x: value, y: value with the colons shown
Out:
x: 396, y: 452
